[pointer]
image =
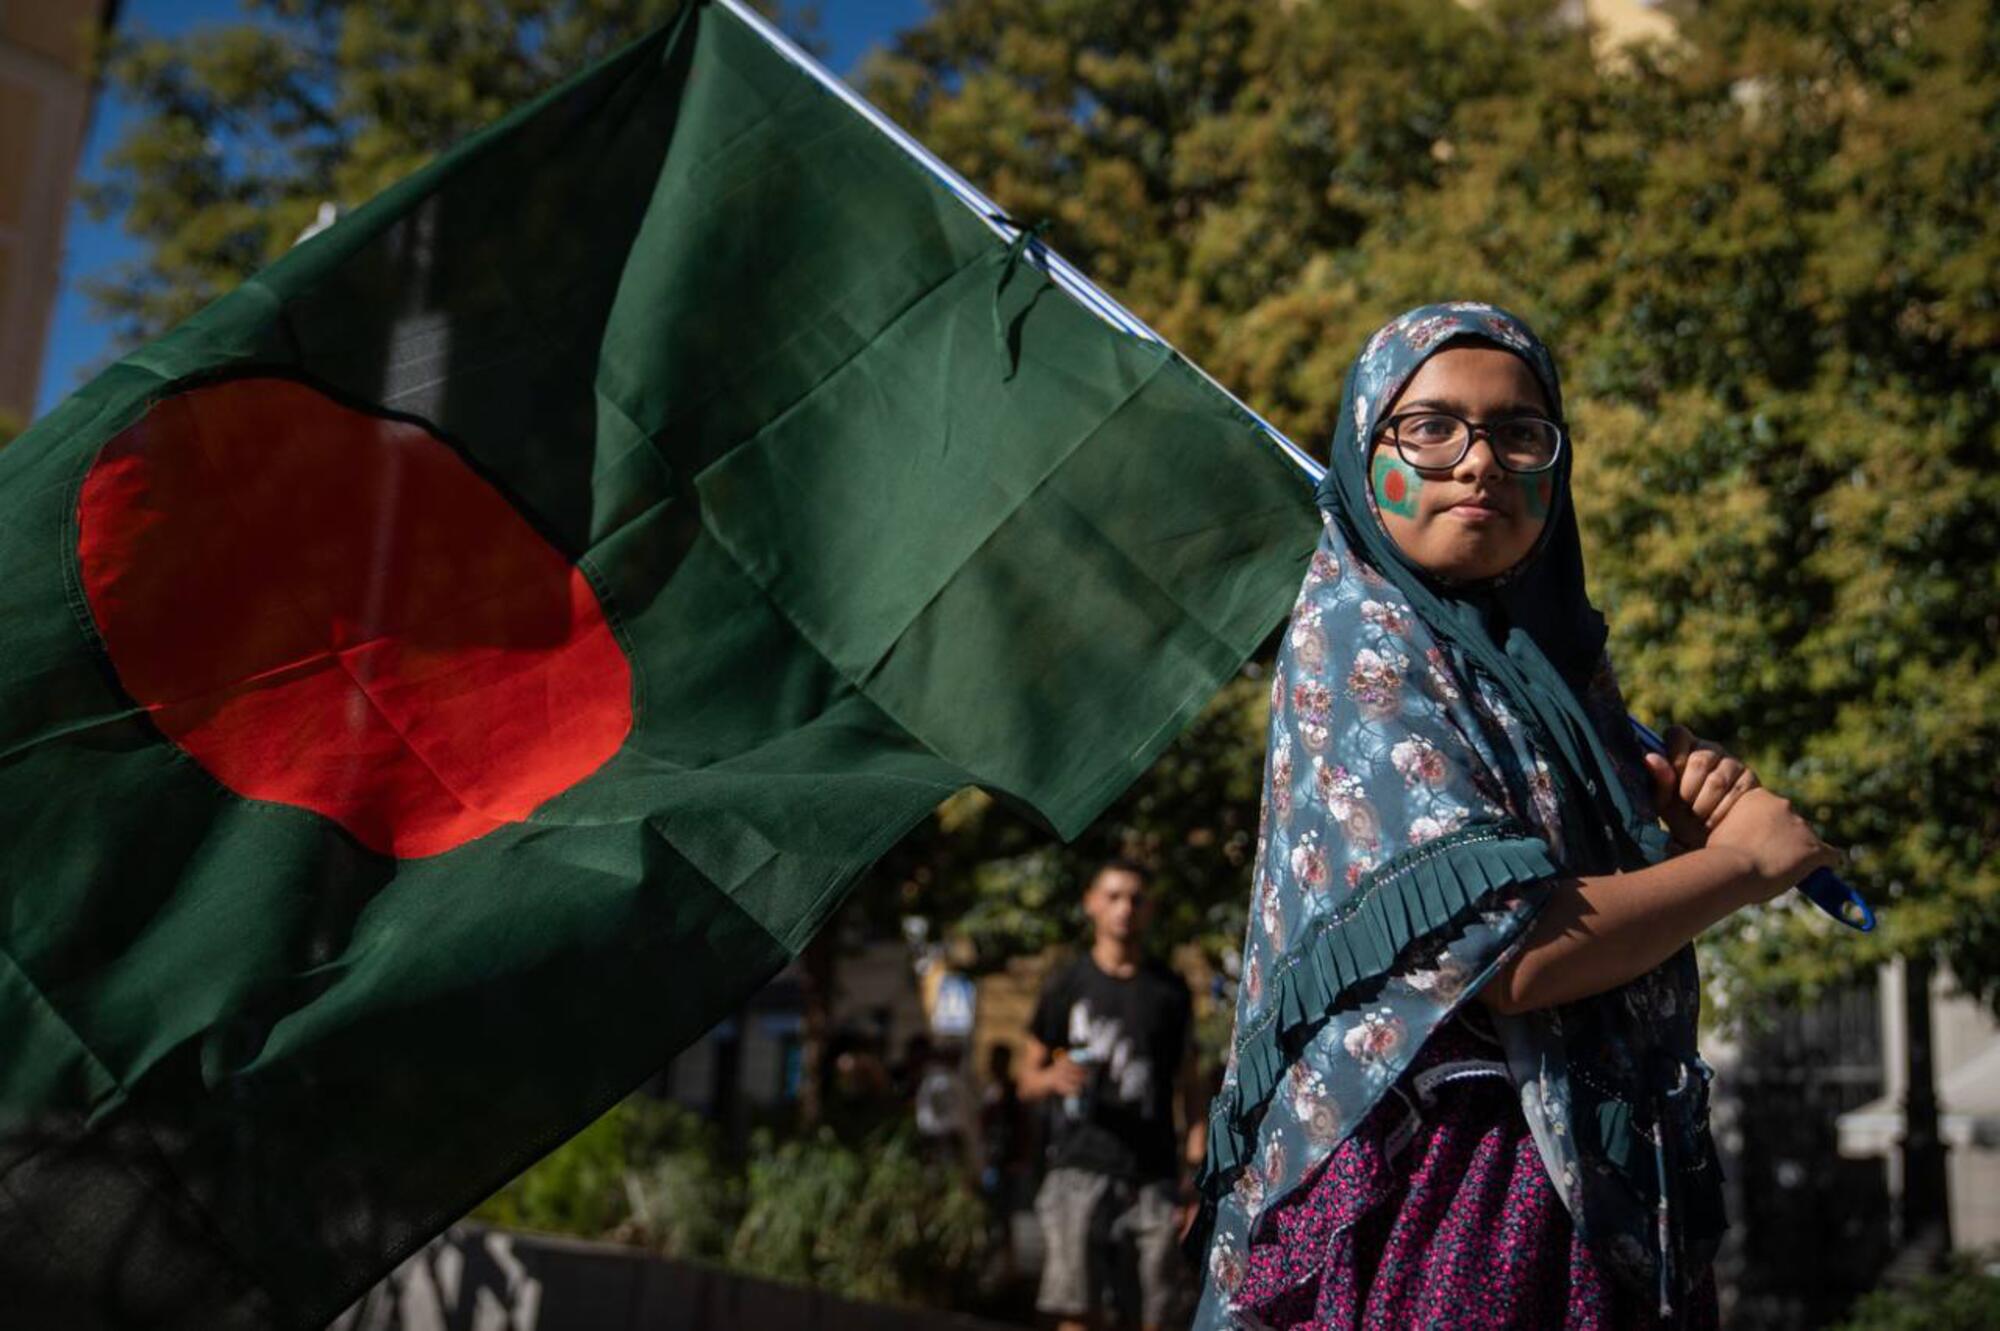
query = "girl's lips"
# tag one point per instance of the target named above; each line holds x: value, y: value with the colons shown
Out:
x: 1472, y: 510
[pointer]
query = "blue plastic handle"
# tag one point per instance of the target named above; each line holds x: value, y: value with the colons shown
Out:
x: 1823, y: 887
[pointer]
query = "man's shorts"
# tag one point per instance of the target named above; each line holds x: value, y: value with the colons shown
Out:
x: 1102, y: 1234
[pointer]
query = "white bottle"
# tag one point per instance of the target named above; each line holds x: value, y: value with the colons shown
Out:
x: 1075, y: 1106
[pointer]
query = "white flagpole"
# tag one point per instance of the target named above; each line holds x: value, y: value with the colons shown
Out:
x: 1060, y: 270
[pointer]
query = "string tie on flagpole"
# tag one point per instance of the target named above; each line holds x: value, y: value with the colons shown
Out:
x: 1005, y: 328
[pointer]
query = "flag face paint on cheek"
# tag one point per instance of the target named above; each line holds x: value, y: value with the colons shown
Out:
x: 1537, y: 491
x: 1397, y: 484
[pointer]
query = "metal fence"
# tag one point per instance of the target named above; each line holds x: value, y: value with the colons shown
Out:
x: 1815, y: 1225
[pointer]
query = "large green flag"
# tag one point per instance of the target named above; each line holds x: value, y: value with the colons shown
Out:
x: 449, y: 673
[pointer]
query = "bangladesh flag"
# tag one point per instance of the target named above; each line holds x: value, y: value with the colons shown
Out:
x: 448, y: 674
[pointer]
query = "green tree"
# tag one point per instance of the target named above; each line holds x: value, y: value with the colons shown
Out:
x: 1216, y: 164
x: 1762, y: 251
x: 249, y: 128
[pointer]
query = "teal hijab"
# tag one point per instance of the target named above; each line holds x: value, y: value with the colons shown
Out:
x: 1532, y: 632
x: 1440, y: 755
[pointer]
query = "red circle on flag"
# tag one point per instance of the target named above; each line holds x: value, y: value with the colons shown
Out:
x: 1393, y: 486
x: 329, y: 609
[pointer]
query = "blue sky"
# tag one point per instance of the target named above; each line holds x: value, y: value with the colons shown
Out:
x: 78, y: 344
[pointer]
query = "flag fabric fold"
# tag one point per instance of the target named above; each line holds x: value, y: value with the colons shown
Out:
x: 452, y: 671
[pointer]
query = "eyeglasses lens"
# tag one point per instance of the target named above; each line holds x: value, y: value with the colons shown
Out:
x: 1522, y: 444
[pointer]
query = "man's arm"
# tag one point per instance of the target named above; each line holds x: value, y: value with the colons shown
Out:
x: 1194, y: 1139
x: 1044, y: 1073
x: 1194, y: 1103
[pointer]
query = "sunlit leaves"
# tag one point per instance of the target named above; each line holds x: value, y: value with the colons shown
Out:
x: 1765, y: 256
x: 248, y: 127
x: 1764, y: 253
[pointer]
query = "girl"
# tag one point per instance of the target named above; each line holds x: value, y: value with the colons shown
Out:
x: 1464, y: 1089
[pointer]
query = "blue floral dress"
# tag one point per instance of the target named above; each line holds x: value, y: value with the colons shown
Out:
x: 1420, y: 802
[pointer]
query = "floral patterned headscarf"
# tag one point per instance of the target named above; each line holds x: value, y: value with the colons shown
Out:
x: 1531, y: 632
x: 1439, y: 754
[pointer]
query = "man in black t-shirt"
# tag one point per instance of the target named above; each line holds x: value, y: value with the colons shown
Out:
x: 1108, y: 1050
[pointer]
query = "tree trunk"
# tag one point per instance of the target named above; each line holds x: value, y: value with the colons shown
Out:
x: 818, y: 967
x: 1926, y: 1197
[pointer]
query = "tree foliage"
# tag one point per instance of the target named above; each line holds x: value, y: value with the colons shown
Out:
x: 1763, y: 252
x: 250, y: 127
x: 1763, y: 256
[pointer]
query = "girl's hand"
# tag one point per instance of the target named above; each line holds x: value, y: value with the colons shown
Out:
x: 1696, y: 785
x: 1779, y: 847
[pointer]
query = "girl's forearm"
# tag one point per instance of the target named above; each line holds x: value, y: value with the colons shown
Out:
x: 1596, y: 933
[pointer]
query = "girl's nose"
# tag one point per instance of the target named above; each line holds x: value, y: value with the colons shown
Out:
x: 1479, y: 460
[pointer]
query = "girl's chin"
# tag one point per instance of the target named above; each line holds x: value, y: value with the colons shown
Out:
x: 1472, y: 560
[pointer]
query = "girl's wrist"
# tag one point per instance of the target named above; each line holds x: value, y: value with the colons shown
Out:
x: 1746, y: 883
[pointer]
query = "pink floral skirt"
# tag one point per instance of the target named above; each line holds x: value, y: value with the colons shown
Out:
x: 1459, y: 1228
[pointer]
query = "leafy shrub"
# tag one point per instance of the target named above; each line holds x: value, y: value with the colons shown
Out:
x: 1964, y: 1298
x: 647, y: 1172
x: 572, y: 1190
x: 685, y: 1201
x: 876, y: 1222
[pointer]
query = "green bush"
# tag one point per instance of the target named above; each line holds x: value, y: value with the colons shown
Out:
x: 871, y: 1220
x: 575, y: 1189
x: 1964, y: 1298
x: 647, y: 1172
x: 875, y: 1221
x: 683, y: 1201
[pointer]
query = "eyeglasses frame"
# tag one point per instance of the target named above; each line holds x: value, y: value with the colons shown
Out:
x: 1473, y: 430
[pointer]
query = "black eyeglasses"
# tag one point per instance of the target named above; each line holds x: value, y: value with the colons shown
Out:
x: 1436, y: 440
